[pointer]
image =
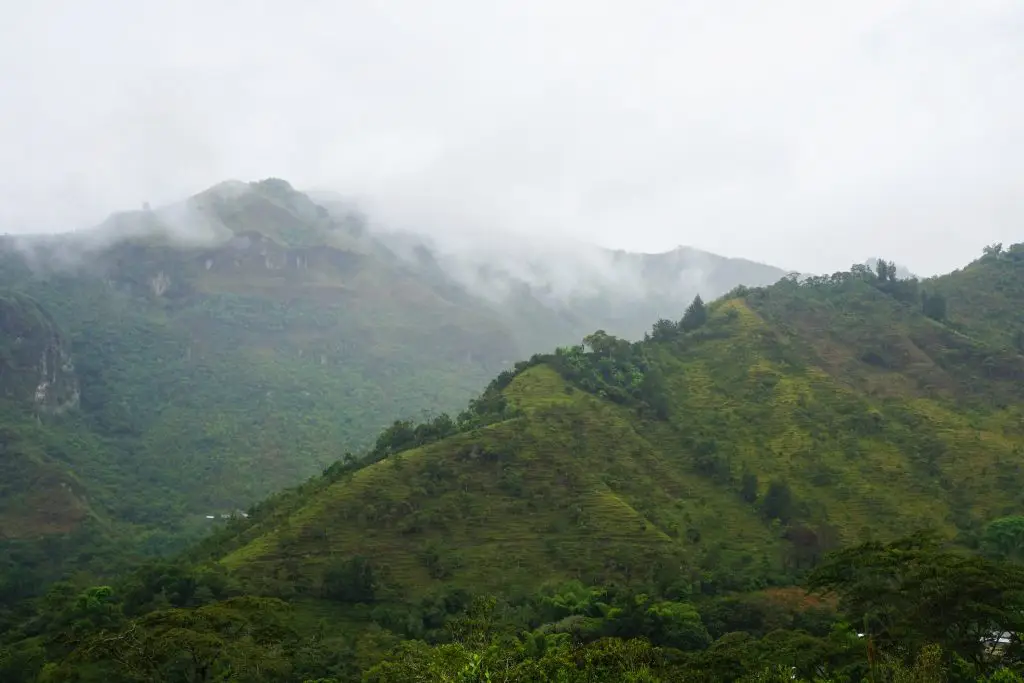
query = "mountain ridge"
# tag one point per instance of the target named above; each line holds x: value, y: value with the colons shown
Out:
x: 803, y: 439
x: 678, y: 488
x: 237, y: 342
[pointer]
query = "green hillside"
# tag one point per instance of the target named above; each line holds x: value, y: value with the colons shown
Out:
x: 626, y: 511
x: 984, y: 297
x: 216, y: 375
x: 197, y: 377
x: 797, y: 418
x: 37, y: 493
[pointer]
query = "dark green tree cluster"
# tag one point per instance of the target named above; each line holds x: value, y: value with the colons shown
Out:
x: 885, y: 270
x: 350, y: 580
x: 933, y: 305
x: 695, y: 316
x: 910, y: 610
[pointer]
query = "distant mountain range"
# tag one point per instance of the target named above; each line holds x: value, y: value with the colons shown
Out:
x: 554, y: 291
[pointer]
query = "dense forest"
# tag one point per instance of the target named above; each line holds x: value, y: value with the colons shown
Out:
x: 817, y: 480
x: 909, y: 610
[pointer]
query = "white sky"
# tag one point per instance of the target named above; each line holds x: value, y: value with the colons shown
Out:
x: 806, y: 134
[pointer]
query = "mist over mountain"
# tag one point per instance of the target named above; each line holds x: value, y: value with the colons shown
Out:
x: 584, y: 286
x: 210, y: 351
x: 573, y: 287
x: 163, y: 372
x: 660, y: 504
x: 512, y: 342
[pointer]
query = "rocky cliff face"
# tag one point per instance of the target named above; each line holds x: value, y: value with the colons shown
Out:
x: 35, y: 357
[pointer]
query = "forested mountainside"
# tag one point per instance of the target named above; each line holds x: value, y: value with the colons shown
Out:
x: 751, y: 436
x: 634, y: 511
x: 218, y: 350
x: 186, y: 361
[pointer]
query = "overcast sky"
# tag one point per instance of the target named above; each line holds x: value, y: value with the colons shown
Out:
x: 807, y: 134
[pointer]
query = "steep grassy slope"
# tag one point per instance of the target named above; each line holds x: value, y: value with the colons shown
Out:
x: 567, y: 489
x: 722, y: 454
x: 984, y: 297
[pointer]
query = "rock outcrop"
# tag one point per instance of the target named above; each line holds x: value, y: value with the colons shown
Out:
x: 35, y: 357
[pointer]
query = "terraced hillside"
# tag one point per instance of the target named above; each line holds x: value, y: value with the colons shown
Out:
x: 727, y: 451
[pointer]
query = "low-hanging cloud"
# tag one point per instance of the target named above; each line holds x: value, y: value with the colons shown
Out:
x: 184, y: 224
x: 810, y: 135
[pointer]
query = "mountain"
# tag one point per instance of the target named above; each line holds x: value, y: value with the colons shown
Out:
x: 226, y: 366
x: 728, y: 451
x: 195, y: 357
x: 676, y: 489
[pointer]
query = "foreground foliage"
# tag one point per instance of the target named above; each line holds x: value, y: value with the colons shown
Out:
x: 568, y: 632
